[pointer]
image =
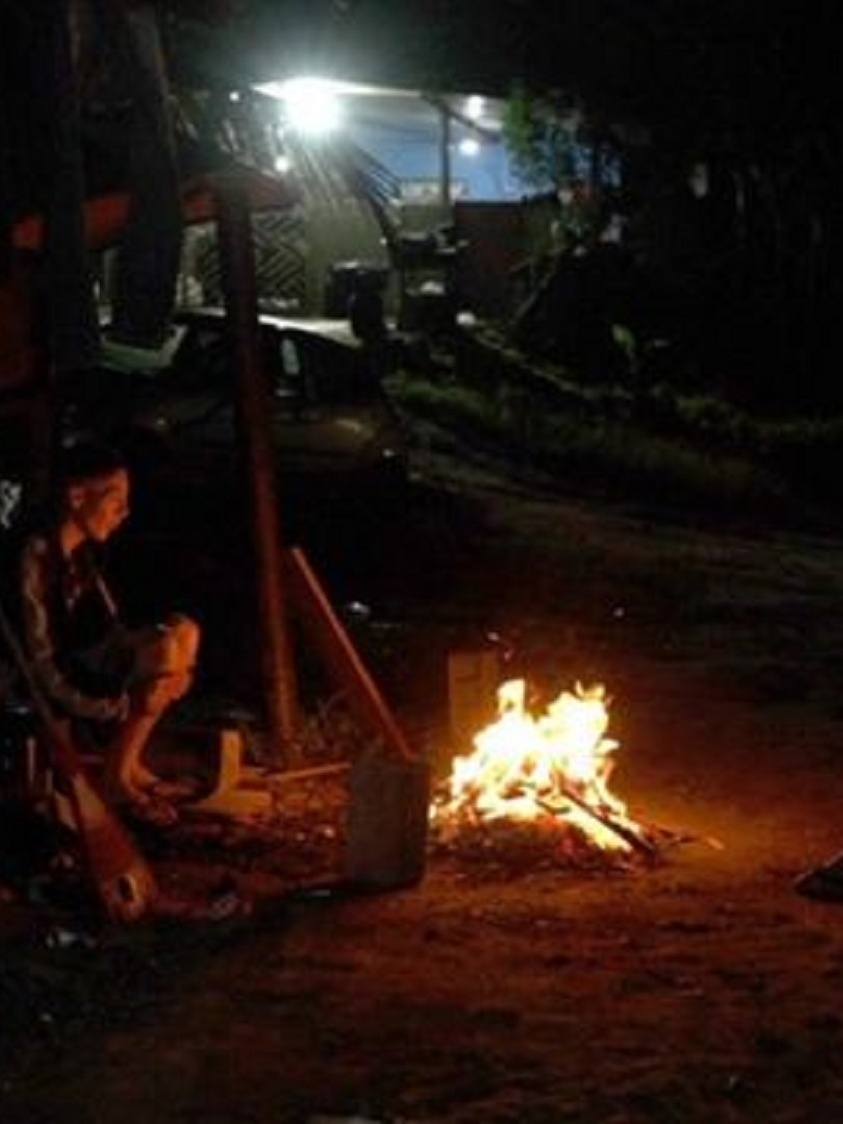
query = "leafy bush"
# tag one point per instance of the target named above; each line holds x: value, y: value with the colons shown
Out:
x: 654, y: 445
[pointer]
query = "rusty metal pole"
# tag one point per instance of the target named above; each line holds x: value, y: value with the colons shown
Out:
x: 254, y: 412
x: 444, y: 156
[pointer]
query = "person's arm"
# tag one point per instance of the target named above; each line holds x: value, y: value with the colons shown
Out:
x: 40, y: 642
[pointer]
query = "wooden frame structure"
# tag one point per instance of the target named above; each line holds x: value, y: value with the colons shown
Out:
x: 287, y: 585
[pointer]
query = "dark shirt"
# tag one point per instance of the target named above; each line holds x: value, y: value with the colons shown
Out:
x: 69, y: 623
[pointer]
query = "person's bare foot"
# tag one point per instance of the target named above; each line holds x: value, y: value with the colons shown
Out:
x: 123, y: 790
x: 140, y: 804
x: 143, y: 778
x: 128, y: 781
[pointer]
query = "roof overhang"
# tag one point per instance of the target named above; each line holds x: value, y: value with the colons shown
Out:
x: 107, y: 215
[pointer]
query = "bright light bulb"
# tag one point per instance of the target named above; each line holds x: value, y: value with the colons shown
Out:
x: 474, y: 107
x: 312, y: 105
x: 469, y: 146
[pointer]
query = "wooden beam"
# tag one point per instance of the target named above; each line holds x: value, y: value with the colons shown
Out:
x: 333, y: 644
x: 254, y: 414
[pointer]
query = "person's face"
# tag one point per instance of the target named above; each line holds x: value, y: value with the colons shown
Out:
x: 100, y: 505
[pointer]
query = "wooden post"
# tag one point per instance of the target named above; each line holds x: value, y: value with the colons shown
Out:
x: 254, y: 412
x: 444, y: 156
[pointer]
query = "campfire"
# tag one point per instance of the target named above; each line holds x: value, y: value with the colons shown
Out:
x: 540, y: 776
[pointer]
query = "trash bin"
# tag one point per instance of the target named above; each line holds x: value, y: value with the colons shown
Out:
x: 349, y: 281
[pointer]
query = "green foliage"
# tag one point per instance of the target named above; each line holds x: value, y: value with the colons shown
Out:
x: 554, y: 149
x: 541, y: 135
x: 693, y: 453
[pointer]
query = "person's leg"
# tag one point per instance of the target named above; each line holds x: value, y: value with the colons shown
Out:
x: 123, y: 782
x: 166, y: 660
x: 164, y: 667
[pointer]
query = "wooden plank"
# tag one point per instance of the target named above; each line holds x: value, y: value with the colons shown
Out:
x: 335, y: 648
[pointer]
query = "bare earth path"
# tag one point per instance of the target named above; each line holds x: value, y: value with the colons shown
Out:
x: 702, y: 990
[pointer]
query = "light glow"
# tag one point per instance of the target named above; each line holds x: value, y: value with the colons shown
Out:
x: 474, y: 107
x: 312, y: 105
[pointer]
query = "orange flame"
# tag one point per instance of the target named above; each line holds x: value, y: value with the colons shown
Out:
x: 525, y: 767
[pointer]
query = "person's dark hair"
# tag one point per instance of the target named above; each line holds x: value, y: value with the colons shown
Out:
x: 86, y: 460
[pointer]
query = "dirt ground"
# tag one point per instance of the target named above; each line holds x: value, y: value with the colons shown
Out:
x: 699, y: 988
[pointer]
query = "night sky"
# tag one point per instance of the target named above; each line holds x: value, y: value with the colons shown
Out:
x: 655, y: 59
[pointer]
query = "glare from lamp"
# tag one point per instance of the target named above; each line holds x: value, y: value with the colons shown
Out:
x: 312, y: 105
x: 469, y: 146
x: 474, y: 107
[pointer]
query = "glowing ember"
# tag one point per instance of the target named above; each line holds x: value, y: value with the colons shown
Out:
x: 527, y: 767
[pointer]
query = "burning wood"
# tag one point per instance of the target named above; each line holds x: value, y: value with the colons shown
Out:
x: 548, y: 772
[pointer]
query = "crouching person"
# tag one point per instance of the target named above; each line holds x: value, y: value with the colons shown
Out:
x: 110, y: 682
